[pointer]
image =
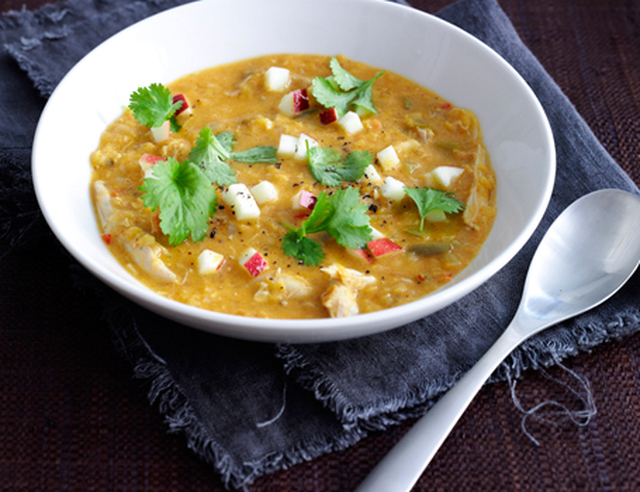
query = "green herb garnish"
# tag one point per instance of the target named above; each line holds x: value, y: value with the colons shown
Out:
x: 211, y: 153
x: 342, y: 215
x: 429, y: 199
x: 184, y: 196
x: 154, y: 105
x: 328, y: 167
x: 183, y: 190
x: 342, y: 90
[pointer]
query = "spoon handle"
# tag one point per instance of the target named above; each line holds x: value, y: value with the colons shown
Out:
x: 401, y: 468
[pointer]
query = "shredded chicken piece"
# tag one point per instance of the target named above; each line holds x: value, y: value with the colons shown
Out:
x: 481, y: 191
x: 340, y: 300
x: 282, y: 287
x: 351, y: 278
x: 340, y: 297
x: 103, y: 205
x: 146, y: 252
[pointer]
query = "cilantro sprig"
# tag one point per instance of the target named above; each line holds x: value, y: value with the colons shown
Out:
x: 341, y: 214
x: 329, y: 167
x: 154, y: 105
x: 184, y: 196
x: 341, y: 90
x: 183, y: 191
x: 430, y: 199
x: 211, y: 154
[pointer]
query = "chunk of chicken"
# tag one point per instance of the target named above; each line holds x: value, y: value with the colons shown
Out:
x: 350, y: 278
x: 146, y: 252
x: 340, y: 300
x: 482, y: 191
x: 282, y: 287
x: 103, y: 205
x: 340, y: 297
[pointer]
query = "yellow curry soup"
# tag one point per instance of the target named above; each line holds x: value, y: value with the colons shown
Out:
x: 424, y: 132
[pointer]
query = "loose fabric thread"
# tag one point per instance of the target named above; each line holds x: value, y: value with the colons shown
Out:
x: 563, y: 413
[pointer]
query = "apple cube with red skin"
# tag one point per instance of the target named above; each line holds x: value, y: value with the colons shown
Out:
x: 185, y: 104
x: 328, y: 116
x: 363, y: 254
x: 209, y: 262
x: 294, y: 102
x: 147, y: 161
x: 304, y: 199
x: 382, y: 246
x: 253, y: 262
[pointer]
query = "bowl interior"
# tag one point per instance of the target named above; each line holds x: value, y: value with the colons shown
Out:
x: 416, y: 45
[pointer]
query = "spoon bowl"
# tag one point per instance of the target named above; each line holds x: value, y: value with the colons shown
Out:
x: 586, y: 256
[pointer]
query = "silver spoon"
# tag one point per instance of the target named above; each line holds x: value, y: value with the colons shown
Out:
x: 587, y: 254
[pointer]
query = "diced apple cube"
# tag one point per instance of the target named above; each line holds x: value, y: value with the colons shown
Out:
x: 376, y: 233
x: 361, y: 253
x: 287, y: 146
x: 240, y: 199
x: 253, y: 262
x: 276, y: 79
x: 161, y: 133
x: 304, y: 141
x: 328, y: 116
x: 294, y: 102
x: 264, y: 192
x: 304, y: 200
x: 382, y: 246
x: 371, y: 174
x: 443, y: 176
x: 147, y: 161
x: 351, y: 122
x: 185, y: 108
x: 392, y: 188
x: 388, y: 158
x: 209, y: 262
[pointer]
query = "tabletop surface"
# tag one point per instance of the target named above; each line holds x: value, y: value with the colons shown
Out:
x: 73, y: 418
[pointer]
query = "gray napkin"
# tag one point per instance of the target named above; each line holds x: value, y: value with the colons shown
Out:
x: 251, y: 408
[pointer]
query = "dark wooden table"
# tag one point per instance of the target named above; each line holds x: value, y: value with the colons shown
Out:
x: 72, y: 417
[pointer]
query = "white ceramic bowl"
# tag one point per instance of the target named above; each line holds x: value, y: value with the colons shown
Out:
x: 203, y: 34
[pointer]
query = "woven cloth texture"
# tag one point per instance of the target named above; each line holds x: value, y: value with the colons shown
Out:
x: 72, y: 418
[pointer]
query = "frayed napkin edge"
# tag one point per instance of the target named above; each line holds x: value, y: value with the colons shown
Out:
x: 536, y: 353
x: 174, y: 406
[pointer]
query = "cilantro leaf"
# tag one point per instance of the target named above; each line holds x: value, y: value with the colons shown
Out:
x: 343, y: 89
x: 344, y: 79
x: 342, y: 215
x: 429, y: 199
x: 329, y: 168
x: 153, y: 105
x: 329, y: 96
x: 348, y: 222
x: 261, y: 153
x: 210, y: 154
x: 365, y: 96
x: 184, y: 196
x: 227, y: 139
x: 304, y: 249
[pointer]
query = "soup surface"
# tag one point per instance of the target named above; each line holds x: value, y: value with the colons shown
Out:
x: 243, y: 263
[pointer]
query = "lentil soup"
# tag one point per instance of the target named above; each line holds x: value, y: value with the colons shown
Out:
x: 414, y: 138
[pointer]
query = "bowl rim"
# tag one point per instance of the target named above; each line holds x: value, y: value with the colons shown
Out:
x: 296, y: 330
